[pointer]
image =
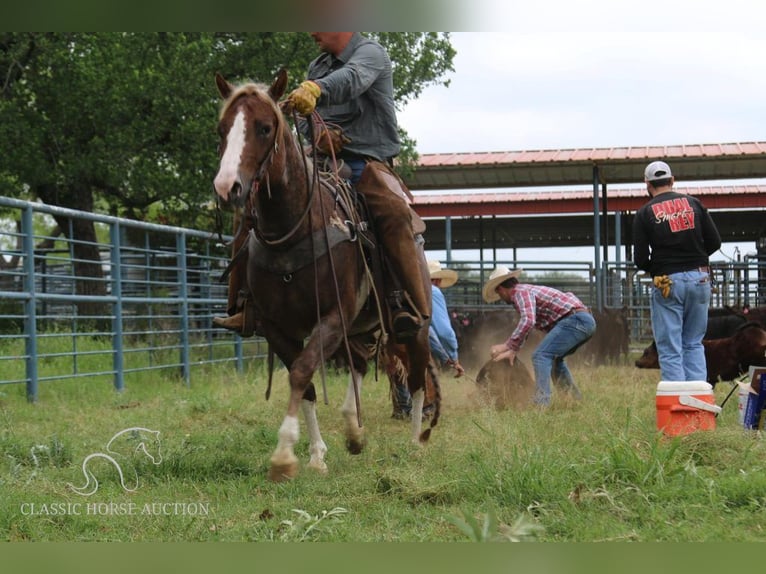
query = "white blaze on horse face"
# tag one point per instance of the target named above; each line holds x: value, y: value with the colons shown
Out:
x: 228, y: 172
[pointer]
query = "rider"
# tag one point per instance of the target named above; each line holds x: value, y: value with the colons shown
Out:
x: 350, y: 86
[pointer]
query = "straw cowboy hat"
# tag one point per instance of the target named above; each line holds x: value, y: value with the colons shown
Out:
x: 448, y: 276
x: 500, y: 274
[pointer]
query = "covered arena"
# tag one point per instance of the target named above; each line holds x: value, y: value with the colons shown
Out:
x: 565, y: 198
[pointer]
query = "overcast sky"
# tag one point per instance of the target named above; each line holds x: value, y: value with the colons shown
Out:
x: 596, y: 73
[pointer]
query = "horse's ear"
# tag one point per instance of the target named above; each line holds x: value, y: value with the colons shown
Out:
x: 224, y: 87
x: 277, y: 89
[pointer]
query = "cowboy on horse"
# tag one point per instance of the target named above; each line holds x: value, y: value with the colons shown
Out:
x: 350, y: 86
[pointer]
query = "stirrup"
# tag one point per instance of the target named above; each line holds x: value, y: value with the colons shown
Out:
x: 406, y: 320
x: 404, y: 324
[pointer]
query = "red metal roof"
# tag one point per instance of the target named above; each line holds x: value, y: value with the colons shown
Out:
x: 695, y: 162
x: 550, y: 202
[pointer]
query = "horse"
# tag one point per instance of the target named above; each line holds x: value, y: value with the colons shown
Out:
x: 312, y: 290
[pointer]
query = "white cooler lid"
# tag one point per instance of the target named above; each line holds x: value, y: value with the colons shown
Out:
x: 685, y: 387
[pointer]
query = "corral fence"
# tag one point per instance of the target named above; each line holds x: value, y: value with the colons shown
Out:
x: 134, y: 298
x: 624, y: 287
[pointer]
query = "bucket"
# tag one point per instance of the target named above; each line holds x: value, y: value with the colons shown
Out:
x: 684, y: 407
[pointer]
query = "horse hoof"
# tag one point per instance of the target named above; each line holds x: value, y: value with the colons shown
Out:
x: 355, y: 446
x: 283, y: 472
x: 319, y: 467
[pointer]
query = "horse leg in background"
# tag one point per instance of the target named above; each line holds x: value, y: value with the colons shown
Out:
x: 359, y: 351
x: 419, y: 364
x: 396, y: 366
x: 317, y: 446
x: 354, y: 433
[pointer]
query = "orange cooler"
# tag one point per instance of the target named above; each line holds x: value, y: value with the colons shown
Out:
x: 684, y: 407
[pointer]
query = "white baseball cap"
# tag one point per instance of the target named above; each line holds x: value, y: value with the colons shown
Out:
x: 657, y: 170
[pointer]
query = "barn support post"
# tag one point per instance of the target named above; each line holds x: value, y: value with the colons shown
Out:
x: 481, y: 248
x: 448, y: 238
x: 605, y: 220
x: 597, y: 241
x: 760, y: 246
x: 617, y: 277
x: 618, y: 237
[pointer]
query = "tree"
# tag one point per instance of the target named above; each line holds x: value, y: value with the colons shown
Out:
x: 125, y: 122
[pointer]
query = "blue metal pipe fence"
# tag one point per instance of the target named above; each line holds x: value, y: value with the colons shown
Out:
x: 149, y: 306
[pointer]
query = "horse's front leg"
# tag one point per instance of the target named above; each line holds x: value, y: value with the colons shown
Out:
x: 354, y: 432
x: 284, y: 463
x: 322, y: 343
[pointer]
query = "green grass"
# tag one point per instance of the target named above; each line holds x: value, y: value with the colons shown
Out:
x: 591, y: 471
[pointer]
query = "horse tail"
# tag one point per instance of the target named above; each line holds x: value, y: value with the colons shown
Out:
x: 426, y: 434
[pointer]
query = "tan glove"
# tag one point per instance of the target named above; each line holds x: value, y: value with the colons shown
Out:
x: 304, y: 98
x: 663, y: 283
x: 330, y: 141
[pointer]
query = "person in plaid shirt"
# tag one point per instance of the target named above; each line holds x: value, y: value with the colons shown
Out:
x: 566, y: 320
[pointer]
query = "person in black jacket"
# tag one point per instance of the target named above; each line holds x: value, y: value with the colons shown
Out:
x: 673, y: 238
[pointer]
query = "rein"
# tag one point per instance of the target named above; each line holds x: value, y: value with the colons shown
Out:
x: 262, y: 172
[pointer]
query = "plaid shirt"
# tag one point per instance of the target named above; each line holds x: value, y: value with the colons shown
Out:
x: 540, y: 307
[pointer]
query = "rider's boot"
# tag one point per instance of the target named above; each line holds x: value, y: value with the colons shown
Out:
x: 242, y: 321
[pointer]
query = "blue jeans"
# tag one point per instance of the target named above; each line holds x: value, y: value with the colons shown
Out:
x: 679, y: 323
x: 548, y: 359
x: 357, y: 167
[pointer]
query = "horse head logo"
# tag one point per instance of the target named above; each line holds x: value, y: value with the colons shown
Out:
x: 121, y: 448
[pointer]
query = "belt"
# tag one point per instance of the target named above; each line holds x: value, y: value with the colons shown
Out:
x: 701, y: 269
x: 572, y: 311
x: 351, y: 156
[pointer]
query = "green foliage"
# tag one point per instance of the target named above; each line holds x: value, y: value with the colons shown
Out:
x: 298, y: 530
x: 486, y: 528
x: 125, y: 122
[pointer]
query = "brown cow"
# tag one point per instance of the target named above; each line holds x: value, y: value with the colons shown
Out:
x: 609, y: 343
x: 755, y: 314
x: 726, y: 358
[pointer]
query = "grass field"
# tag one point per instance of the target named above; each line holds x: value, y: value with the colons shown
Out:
x: 596, y: 470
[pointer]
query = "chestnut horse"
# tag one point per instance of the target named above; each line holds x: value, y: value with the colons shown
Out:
x: 312, y: 290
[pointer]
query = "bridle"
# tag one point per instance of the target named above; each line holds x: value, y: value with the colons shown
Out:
x: 262, y: 175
